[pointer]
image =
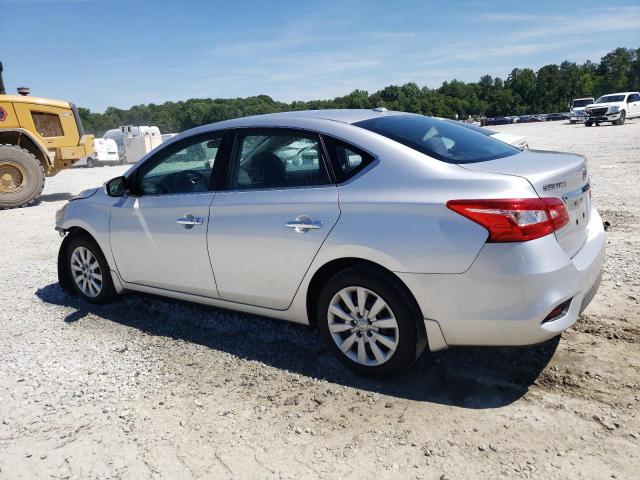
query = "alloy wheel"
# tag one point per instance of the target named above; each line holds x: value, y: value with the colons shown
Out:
x: 363, y: 326
x: 86, y: 271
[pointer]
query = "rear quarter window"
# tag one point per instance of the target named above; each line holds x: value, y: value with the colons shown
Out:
x: 440, y: 139
x: 346, y: 159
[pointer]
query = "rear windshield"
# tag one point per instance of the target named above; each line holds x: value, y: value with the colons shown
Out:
x: 441, y: 139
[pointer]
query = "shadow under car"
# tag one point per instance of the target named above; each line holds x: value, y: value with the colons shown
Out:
x: 469, y: 377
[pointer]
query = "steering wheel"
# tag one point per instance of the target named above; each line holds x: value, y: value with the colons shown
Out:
x: 183, y: 182
x: 194, y: 177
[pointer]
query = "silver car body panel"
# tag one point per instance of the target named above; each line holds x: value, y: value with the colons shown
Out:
x: 144, y: 236
x: 393, y: 213
x: 258, y: 260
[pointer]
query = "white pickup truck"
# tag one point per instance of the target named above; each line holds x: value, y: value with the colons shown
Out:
x: 614, y: 108
x: 576, y: 109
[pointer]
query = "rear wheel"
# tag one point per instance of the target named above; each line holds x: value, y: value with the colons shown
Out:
x: 21, y: 177
x: 89, y: 271
x: 367, y: 321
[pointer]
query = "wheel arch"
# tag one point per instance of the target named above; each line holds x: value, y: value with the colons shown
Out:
x: 73, y: 232
x: 331, y: 268
x: 24, y: 139
x: 63, y: 278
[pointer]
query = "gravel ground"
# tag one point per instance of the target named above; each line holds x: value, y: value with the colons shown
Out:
x: 153, y: 388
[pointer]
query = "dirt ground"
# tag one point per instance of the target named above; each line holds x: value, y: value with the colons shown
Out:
x: 153, y: 388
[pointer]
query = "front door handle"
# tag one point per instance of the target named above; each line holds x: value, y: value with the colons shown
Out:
x: 189, y: 221
x: 303, y: 224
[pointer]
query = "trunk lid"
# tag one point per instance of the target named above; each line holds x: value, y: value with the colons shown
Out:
x: 552, y: 174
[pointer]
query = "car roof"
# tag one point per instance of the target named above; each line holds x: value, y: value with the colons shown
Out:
x: 617, y: 93
x: 347, y: 116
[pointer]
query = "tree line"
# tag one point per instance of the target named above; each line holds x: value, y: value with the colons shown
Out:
x: 524, y: 91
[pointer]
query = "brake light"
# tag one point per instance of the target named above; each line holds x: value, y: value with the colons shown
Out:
x: 514, y: 220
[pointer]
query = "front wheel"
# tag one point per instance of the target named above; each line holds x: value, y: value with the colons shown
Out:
x: 368, y: 322
x: 588, y: 123
x: 89, y: 271
x: 622, y: 118
x: 90, y: 162
x: 21, y: 177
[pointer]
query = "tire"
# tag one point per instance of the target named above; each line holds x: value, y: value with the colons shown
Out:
x: 588, y: 123
x: 90, y: 162
x: 621, y: 120
x: 82, y: 254
x: 385, y: 350
x: 572, y: 122
x: 21, y: 177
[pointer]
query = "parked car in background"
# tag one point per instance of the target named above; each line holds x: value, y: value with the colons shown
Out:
x: 529, y: 118
x: 105, y: 152
x: 495, y: 121
x: 554, y: 117
x: 576, y: 109
x: 518, y: 141
x: 614, y: 108
x: 404, y: 232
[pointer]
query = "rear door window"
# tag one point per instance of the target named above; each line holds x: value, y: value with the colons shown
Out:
x: 439, y: 139
x: 277, y: 160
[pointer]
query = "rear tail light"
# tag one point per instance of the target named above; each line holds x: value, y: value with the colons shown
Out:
x: 514, y: 220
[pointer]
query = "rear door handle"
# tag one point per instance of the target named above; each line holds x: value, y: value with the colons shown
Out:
x: 189, y: 221
x: 303, y: 224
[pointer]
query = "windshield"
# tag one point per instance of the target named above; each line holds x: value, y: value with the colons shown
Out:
x: 444, y: 140
x: 610, y: 98
x: 582, y: 102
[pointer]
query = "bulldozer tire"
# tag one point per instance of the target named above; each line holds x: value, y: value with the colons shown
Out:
x: 21, y: 177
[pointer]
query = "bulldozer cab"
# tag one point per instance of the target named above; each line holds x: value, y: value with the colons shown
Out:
x: 53, y: 126
x: 38, y: 138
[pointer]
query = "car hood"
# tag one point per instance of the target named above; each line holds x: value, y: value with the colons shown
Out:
x: 84, y: 194
x: 602, y: 105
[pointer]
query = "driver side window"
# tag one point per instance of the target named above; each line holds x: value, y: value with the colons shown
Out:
x: 186, y: 170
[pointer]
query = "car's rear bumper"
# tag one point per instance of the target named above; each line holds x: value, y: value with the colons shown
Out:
x: 505, y: 296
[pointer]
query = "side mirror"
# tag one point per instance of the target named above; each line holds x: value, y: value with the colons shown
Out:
x: 116, y: 187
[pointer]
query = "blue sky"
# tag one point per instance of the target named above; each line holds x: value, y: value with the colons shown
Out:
x: 121, y: 53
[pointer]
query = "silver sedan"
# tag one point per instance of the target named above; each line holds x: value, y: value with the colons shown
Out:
x: 391, y: 232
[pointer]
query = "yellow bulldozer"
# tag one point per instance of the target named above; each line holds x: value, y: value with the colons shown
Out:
x: 38, y: 138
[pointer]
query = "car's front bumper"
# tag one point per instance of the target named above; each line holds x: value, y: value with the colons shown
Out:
x: 608, y: 117
x: 505, y: 296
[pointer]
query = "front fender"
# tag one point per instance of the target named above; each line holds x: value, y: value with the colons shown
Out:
x: 99, y: 213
